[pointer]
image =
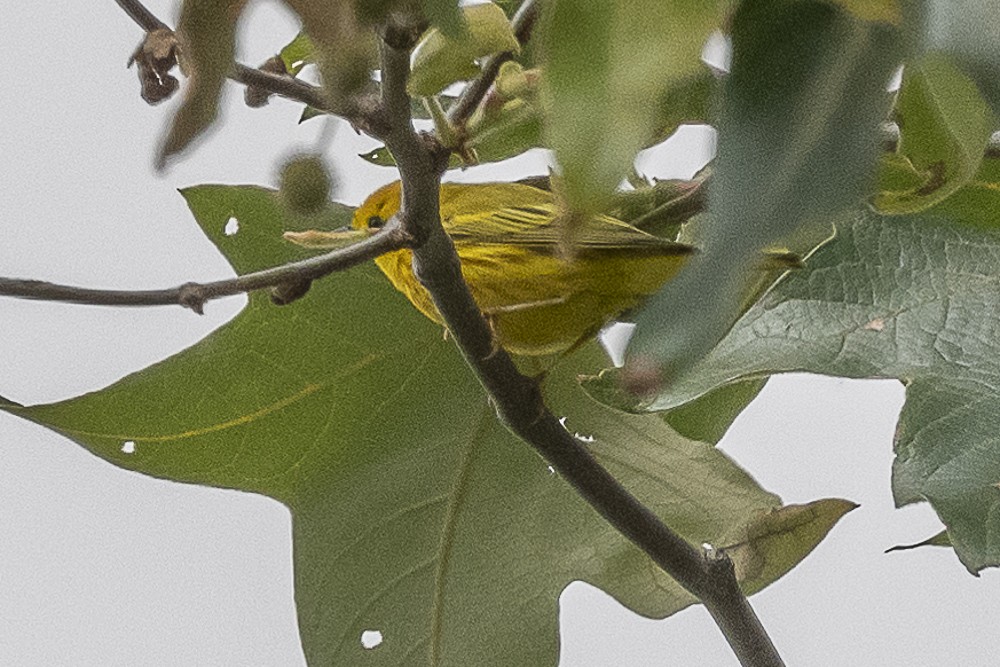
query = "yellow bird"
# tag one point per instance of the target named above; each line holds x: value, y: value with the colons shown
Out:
x: 540, y: 300
x: 508, y: 238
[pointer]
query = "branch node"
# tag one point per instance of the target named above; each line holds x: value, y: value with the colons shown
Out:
x: 154, y: 58
x: 192, y: 295
x: 403, y: 32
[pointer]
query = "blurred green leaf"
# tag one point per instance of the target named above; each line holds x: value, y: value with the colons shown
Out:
x: 944, y: 127
x: 604, y: 62
x: 297, y: 54
x: 207, y: 33
x: 687, y: 100
x: 344, y: 47
x: 797, y: 146
x: 414, y: 510
x: 515, y: 129
x: 974, y: 205
x: 909, y: 297
x: 438, y: 60
x: 966, y: 30
x: 447, y: 17
x: 662, y: 208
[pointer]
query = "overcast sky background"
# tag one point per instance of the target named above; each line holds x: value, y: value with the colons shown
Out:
x: 99, y: 566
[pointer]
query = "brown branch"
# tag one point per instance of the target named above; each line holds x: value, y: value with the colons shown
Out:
x: 138, y: 13
x: 523, y: 22
x: 357, y: 112
x: 709, y: 575
x: 288, y: 280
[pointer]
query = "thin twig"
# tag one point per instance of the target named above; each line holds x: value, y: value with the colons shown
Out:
x: 138, y: 13
x: 523, y: 22
x: 285, y: 86
x: 195, y: 295
x: 708, y: 575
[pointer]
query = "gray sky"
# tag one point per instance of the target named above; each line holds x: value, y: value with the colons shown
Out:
x: 100, y: 566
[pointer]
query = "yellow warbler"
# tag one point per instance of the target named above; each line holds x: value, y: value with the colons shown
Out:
x: 538, y: 301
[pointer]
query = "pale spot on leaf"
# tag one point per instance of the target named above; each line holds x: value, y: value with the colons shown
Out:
x: 371, y: 639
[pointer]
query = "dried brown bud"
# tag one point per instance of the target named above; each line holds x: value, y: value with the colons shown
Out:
x: 155, y: 57
x: 256, y: 96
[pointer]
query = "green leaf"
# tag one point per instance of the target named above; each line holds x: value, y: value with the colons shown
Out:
x: 516, y: 128
x: 379, y: 156
x: 797, y: 146
x: 944, y: 128
x: 770, y: 543
x: 688, y: 100
x: 939, y: 540
x: 974, y: 204
x: 447, y: 17
x: 415, y: 512
x: 907, y: 297
x: 706, y: 418
x: 297, y: 53
x: 603, y: 63
x: 438, y: 61
x: 207, y: 32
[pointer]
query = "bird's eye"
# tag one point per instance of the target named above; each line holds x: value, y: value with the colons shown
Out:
x: 375, y: 222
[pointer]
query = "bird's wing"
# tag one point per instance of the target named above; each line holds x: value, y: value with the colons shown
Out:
x: 536, y: 227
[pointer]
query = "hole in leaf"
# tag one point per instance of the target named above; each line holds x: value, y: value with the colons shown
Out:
x: 717, y: 52
x: 128, y: 446
x: 232, y: 226
x: 371, y: 639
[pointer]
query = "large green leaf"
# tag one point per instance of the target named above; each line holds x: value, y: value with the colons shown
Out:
x: 909, y: 297
x: 415, y: 512
x: 607, y: 64
x: 797, y: 146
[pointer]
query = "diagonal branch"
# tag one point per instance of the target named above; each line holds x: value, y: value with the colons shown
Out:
x: 138, y: 13
x: 289, y: 280
x: 707, y: 574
